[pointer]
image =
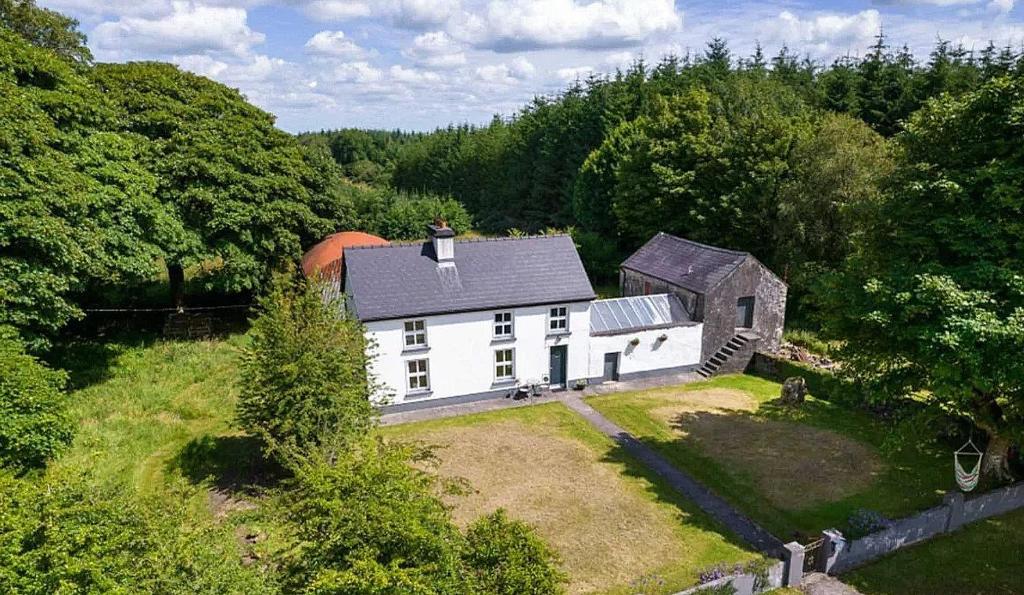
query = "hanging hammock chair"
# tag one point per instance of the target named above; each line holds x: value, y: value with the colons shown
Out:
x: 967, y: 480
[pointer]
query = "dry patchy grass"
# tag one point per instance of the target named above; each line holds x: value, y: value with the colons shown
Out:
x: 794, y: 469
x: 603, y: 524
x: 793, y: 465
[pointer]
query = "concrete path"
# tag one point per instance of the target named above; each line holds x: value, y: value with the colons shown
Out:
x: 718, y: 509
x: 443, y: 411
x: 817, y: 583
x: 482, y: 406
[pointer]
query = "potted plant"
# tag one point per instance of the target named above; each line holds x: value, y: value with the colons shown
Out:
x: 580, y: 384
x: 634, y: 341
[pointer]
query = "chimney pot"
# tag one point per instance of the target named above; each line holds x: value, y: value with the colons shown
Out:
x: 443, y: 239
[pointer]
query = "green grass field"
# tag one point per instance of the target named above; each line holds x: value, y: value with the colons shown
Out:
x: 796, y: 471
x: 612, y: 522
x: 984, y: 558
x: 155, y: 417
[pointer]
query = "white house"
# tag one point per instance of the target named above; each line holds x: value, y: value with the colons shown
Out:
x: 470, y: 319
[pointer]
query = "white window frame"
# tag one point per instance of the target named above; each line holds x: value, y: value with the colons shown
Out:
x: 504, y: 320
x: 410, y: 331
x: 558, y: 320
x: 504, y: 365
x: 417, y: 372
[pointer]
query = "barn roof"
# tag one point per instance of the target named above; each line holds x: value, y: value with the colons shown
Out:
x: 326, y: 256
x: 684, y: 263
x: 401, y: 281
x: 635, y: 313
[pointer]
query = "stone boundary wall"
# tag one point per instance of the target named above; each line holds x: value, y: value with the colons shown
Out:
x: 954, y: 513
x: 741, y: 584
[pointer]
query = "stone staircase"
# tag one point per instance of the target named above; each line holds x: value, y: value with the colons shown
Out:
x: 732, y: 357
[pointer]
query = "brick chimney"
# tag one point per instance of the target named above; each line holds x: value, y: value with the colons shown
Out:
x: 443, y: 238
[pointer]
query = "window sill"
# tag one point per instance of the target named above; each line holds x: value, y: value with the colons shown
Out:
x: 497, y: 340
x: 419, y: 394
x: 559, y: 333
x: 415, y: 350
x: 503, y: 383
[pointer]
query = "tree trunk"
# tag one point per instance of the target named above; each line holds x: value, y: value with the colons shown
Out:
x: 176, y: 275
x: 996, y: 461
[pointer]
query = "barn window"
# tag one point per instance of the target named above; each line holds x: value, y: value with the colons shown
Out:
x: 745, y: 312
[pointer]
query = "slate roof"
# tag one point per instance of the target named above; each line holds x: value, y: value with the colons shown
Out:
x: 685, y: 263
x: 635, y: 313
x: 401, y: 281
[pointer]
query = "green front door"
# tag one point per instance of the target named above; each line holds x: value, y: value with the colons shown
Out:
x: 559, y: 357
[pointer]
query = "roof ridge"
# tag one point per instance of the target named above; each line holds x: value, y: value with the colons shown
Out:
x: 706, y: 246
x: 635, y: 297
x: 407, y: 243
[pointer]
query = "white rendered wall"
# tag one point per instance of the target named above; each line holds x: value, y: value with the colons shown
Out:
x: 461, y: 351
x: 680, y: 348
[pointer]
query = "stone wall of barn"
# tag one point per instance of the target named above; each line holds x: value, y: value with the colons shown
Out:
x: 633, y: 283
x: 751, y: 278
x: 717, y: 310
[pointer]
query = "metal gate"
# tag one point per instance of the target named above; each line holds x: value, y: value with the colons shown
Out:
x: 814, y: 556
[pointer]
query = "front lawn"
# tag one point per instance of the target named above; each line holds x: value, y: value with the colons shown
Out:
x: 794, y: 470
x: 614, y: 526
x: 985, y: 557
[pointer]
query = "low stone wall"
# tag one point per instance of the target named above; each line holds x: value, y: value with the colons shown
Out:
x: 823, y: 384
x: 954, y: 513
x: 742, y: 583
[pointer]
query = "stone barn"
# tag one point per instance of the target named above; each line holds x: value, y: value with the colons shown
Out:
x: 741, y: 303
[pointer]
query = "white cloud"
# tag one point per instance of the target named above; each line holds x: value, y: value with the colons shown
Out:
x: 189, y: 29
x: 419, y: 14
x: 931, y: 2
x: 356, y: 72
x: 511, y: 73
x: 619, y: 59
x: 572, y: 73
x: 98, y: 8
x: 336, y: 10
x: 1001, y: 6
x: 333, y: 43
x: 826, y: 31
x: 436, y: 49
x: 512, y: 25
x: 201, y: 64
x: 412, y: 76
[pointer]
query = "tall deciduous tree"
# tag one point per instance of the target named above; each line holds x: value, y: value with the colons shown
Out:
x: 243, y: 190
x: 76, y: 202
x: 931, y: 304
x: 45, y: 28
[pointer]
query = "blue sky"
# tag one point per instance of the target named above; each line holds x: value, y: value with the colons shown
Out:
x: 418, y: 64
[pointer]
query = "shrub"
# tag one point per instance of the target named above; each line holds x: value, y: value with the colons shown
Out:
x: 370, y: 523
x: 66, y: 536
x: 865, y: 522
x: 34, y: 423
x: 509, y: 558
x: 304, y: 384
